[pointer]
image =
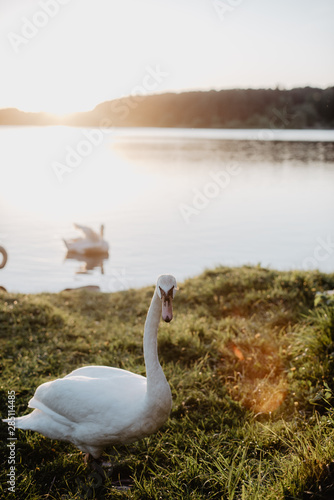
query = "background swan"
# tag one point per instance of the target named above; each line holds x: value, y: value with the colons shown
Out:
x: 3, y: 258
x: 97, y: 406
x: 90, y: 244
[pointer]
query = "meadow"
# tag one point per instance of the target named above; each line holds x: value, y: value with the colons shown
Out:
x: 250, y: 360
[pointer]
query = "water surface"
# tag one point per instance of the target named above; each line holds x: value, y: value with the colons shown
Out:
x: 171, y: 200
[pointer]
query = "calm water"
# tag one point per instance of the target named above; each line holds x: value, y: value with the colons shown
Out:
x: 174, y: 201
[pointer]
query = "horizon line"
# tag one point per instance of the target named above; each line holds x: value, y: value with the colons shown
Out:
x: 185, y: 91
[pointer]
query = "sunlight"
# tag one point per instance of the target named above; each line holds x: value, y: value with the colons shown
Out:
x: 259, y: 382
x: 48, y: 86
x: 89, y: 187
x: 63, y: 56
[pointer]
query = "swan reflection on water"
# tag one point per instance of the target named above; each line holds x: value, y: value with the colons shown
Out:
x: 90, y: 248
x: 90, y: 262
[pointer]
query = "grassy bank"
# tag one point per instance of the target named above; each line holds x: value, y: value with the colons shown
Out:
x: 250, y: 361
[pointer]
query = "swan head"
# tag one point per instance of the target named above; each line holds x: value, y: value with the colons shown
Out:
x: 166, y: 288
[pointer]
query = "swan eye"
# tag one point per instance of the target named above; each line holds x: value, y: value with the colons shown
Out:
x: 166, y: 297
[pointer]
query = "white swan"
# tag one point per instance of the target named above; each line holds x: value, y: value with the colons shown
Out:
x: 4, y: 257
x: 91, y: 244
x: 97, y: 406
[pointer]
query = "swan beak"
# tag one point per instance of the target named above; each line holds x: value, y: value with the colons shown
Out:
x: 167, y: 305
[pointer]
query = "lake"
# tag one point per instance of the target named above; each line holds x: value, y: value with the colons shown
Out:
x: 171, y: 200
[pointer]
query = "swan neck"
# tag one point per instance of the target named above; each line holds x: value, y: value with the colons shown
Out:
x: 153, y: 368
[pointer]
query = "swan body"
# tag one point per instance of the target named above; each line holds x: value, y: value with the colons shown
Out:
x: 96, y: 406
x: 91, y: 243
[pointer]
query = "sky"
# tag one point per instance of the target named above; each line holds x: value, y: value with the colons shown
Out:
x: 63, y: 56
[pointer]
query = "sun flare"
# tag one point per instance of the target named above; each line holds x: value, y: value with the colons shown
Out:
x: 259, y: 381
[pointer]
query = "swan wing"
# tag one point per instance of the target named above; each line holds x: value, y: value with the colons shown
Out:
x: 94, y: 371
x: 103, y: 395
x: 88, y: 232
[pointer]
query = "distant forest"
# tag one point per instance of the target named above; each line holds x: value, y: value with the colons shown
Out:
x: 298, y: 108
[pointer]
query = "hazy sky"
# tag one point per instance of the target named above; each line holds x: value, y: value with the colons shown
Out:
x: 69, y: 55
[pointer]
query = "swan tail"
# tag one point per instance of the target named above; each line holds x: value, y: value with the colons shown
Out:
x: 45, y: 410
x: 26, y: 422
x: 38, y: 421
x: 40, y: 414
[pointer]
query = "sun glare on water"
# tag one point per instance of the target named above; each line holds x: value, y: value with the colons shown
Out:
x: 97, y: 182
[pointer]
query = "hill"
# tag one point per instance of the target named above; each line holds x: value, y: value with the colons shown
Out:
x: 298, y: 108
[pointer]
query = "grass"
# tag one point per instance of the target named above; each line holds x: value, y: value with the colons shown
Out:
x: 250, y: 361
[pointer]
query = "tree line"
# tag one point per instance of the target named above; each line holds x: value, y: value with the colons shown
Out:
x: 297, y: 108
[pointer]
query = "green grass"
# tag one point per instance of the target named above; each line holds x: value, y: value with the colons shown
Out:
x: 250, y: 361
